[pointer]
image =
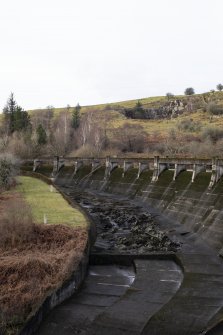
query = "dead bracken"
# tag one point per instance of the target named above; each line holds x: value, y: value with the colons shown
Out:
x: 33, y: 267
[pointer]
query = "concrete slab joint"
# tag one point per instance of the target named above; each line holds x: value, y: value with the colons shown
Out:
x: 217, y: 172
x: 61, y: 164
x: 109, y: 167
x: 58, y: 163
x: 94, y: 165
x: 126, y: 167
x: 197, y: 168
x: 178, y: 169
x: 158, y: 168
x: 142, y: 167
x: 77, y: 165
x: 36, y: 164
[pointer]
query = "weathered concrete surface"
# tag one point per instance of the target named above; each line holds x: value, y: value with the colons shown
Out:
x: 103, y: 286
x: 156, y: 303
x: 156, y: 282
x: 197, y: 305
x: 197, y: 301
x: 190, y: 203
x: 109, y: 304
x: 217, y: 330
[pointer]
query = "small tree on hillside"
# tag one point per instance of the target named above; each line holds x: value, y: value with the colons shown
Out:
x: 49, y: 112
x: 169, y: 95
x: 8, y: 113
x: 138, y: 106
x: 41, y: 135
x: 21, y: 120
x: 138, y: 110
x: 75, y: 122
x: 189, y: 91
x: 8, y: 169
x: 219, y: 87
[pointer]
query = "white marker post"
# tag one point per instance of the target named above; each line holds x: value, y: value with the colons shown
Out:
x: 44, y: 219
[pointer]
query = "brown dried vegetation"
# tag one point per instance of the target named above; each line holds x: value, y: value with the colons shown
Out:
x: 34, y: 261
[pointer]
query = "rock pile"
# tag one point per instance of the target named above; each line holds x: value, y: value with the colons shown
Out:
x: 130, y: 230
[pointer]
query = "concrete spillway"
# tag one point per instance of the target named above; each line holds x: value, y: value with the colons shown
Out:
x: 189, y: 196
x: 189, y: 202
x: 110, y: 299
x: 103, y: 286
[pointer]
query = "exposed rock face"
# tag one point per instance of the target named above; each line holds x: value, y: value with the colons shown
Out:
x: 169, y: 110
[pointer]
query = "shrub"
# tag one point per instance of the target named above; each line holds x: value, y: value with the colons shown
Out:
x: 169, y: 95
x: 87, y: 150
x: 34, y: 269
x: 219, y: 87
x: 8, y: 169
x: 213, y: 134
x: 203, y: 149
x: 189, y: 91
x: 189, y: 125
x: 214, y: 109
x: 130, y: 138
x: 16, y: 224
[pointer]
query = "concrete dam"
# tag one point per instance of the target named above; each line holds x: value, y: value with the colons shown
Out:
x: 190, y: 191
x: 178, y: 286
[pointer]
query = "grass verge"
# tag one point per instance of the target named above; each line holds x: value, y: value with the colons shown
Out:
x: 46, y: 201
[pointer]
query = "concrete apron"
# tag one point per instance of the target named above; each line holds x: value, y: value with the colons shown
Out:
x: 111, y: 297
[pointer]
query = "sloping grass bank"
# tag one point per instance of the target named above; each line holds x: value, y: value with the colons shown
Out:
x: 35, y: 258
x: 46, y: 202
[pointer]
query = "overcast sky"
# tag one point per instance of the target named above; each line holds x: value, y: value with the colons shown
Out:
x: 57, y: 52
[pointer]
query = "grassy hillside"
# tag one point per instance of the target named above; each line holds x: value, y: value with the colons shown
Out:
x: 117, y: 119
x: 149, y: 102
x: 182, y: 125
x: 162, y: 127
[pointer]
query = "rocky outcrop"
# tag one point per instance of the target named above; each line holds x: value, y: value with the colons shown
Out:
x: 169, y: 110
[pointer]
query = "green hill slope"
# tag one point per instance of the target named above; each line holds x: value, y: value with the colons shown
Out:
x: 162, y: 126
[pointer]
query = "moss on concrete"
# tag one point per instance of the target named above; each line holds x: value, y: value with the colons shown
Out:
x: 116, y: 175
x: 82, y: 172
x: 165, y: 178
x: 99, y: 174
x: 201, y: 182
x: 130, y: 175
x: 46, y: 170
x: 183, y: 180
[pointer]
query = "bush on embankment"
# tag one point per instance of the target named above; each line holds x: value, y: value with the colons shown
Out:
x: 8, y: 170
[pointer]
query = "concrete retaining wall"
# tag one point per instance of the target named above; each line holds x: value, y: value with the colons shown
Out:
x: 67, y: 290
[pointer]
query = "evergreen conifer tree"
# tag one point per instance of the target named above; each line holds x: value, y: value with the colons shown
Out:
x: 41, y: 135
x: 75, y: 122
x: 15, y: 118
